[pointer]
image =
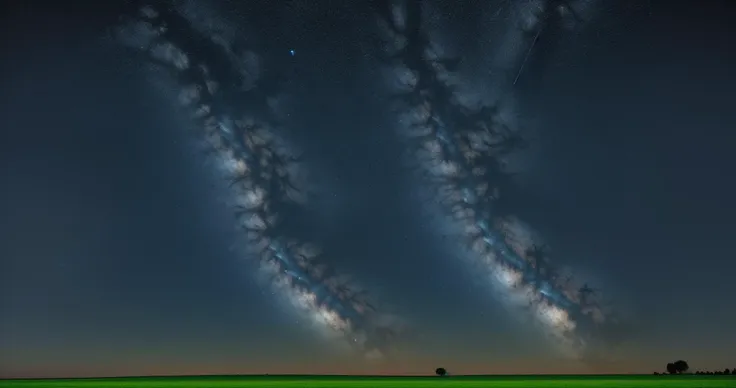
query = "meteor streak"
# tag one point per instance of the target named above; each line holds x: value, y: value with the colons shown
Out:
x: 230, y: 94
x: 541, y: 22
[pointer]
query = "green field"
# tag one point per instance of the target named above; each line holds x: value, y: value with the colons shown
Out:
x: 690, y: 381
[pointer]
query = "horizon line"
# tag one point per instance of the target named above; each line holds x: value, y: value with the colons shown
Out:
x: 322, y: 375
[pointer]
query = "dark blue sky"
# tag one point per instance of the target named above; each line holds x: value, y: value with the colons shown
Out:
x: 115, y: 246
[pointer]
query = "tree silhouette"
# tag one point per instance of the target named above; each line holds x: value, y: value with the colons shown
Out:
x: 440, y: 372
x: 671, y: 368
x: 681, y: 366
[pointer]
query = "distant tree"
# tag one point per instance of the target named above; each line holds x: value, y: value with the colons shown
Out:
x: 441, y: 372
x: 671, y: 368
x: 727, y: 372
x: 656, y: 373
x: 681, y: 366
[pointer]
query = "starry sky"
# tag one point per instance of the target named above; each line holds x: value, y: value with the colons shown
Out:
x: 116, y: 248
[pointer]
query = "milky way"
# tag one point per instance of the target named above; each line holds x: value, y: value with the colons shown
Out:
x: 224, y: 81
x: 460, y: 150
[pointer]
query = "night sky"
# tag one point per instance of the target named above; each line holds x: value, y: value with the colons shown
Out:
x: 117, y: 250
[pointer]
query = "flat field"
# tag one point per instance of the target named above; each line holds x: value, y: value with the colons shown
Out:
x: 628, y: 381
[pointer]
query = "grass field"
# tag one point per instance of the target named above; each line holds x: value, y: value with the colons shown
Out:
x: 688, y: 381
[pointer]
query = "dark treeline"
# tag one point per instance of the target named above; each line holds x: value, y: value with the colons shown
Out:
x: 681, y: 366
